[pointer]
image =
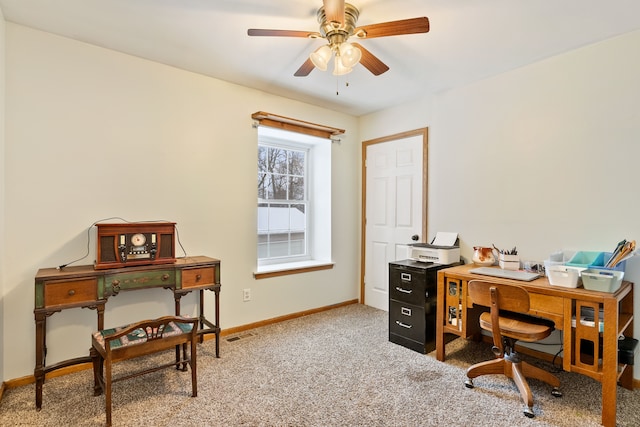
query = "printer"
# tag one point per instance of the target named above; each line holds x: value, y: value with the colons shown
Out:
x: 443, y: 249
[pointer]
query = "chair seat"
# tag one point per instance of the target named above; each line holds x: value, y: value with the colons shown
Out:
x: 140, y: 339
x: 520, y: 327
x: 137, y: 336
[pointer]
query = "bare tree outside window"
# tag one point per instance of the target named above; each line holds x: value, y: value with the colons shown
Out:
x: 282, y: 202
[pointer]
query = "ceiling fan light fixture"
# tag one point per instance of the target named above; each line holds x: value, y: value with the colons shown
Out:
x: 321, y: 57
x: 339, y: 69
x: 349, y: 54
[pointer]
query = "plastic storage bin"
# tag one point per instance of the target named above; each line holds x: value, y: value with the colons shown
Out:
x: 602, y: 280
x: 561, y: 275
x: 602, y: 259
x: 583, y: 259
x: 548, y: 264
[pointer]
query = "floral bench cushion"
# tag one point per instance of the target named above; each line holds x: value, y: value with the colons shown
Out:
x: 138, y: 336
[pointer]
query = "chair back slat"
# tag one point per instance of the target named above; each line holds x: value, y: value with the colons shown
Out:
x: 510, y: 297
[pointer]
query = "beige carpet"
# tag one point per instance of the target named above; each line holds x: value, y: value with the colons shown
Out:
x: 335, y: 368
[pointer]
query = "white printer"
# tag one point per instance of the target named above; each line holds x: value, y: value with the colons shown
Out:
x: 443, y: 249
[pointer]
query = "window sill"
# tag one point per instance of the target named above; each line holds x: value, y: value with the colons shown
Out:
x: 276, y: 270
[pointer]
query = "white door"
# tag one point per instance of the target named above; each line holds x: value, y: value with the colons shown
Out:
x: 394, y: 209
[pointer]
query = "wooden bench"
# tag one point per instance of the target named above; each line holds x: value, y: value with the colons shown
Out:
x: 140, y: 339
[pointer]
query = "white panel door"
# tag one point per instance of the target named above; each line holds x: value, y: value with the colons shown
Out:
x: 394, y: 210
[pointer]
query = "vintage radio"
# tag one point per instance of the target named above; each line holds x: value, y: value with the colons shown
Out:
x: 135, y: 243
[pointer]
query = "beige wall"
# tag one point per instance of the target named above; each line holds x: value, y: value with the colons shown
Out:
x: 92, y: 133
x: 2, y: 205
x: 543, y: 158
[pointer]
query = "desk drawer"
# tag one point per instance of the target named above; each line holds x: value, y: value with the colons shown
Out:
x: 194, y: 277
x: 115, y: 283
x: 68, y: 292
x: 548, y: 307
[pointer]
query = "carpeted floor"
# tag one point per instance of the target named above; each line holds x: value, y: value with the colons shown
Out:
x: 336, y: 368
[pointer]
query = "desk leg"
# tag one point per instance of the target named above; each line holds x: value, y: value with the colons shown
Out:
x: 440, y: 318
x: 201, y: 336
x: 41, y: 345
x: 217, y: 304
x: 177, y: 297
x: 567, y: 332
x: 610, y: 363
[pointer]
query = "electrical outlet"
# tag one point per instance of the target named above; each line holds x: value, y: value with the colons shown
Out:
x: 246, y: 295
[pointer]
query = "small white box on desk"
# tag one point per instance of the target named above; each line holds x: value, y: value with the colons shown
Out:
x: 509, y: 262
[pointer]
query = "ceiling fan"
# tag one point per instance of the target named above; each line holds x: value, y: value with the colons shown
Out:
x: 337, y: 21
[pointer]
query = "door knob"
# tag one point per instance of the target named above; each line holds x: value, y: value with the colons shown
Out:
x: 415, y: 237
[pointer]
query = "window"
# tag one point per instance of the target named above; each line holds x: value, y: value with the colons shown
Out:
x: 282, y: 201
x: 294, y: 200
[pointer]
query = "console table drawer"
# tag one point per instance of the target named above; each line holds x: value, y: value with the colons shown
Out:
x: 115, y: 283
x: 69, y: 292
x: 193, y: 277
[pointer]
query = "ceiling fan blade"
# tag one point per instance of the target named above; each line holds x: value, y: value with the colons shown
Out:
x: 393, y: 28
x: 283, y: 33
x: 334, y: 10
x: 305, y: 69
x: 371, y: 62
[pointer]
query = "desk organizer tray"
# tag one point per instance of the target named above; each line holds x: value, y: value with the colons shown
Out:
x: 602, y: 280
x: 584, y: 259
x: 562, y: 275
x: 602, y: 259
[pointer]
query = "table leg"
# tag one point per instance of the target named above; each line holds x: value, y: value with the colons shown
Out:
x: 201, y: 336
x: 177, y: 296
x: 217, y: 304
x: 610, y: 363
x: 440, y: 318
x: 38, y: 372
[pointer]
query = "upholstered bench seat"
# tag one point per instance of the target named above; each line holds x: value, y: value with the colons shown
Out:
x: 139, y: 335
x: 140, y: 339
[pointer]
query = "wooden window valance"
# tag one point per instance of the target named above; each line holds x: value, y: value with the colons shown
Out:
x: 295, y: 125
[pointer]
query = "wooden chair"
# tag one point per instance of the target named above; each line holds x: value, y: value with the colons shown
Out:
x: 508, y: 325
x: 140, y: 339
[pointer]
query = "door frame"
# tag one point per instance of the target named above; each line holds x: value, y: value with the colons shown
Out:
x: 363, y: 220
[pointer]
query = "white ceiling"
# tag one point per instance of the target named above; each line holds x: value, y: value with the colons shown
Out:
x: 469, y: 40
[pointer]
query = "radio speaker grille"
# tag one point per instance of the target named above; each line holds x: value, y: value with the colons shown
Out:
x: 166, y: 246
x: 108, y: 249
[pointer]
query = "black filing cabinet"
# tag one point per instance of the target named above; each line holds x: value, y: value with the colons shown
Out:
x: 412, y: 304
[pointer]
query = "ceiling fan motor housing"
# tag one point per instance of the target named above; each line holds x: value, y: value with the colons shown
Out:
x: 335, y: 32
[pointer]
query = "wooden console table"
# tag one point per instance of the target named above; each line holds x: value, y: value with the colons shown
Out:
x: 84, y: 286
x: 589, y: 348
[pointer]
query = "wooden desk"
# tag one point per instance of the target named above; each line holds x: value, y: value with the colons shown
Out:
x: 84, y: 286
x: 586, y: 350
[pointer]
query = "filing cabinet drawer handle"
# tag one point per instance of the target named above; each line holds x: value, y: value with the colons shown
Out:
x: 405, y: 276
x: 405, y: 311
x: 404, y: 325
x: 406, y: 291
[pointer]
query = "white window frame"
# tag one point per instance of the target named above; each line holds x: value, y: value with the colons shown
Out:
x: 285, y: 144
x: 318, y: 190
